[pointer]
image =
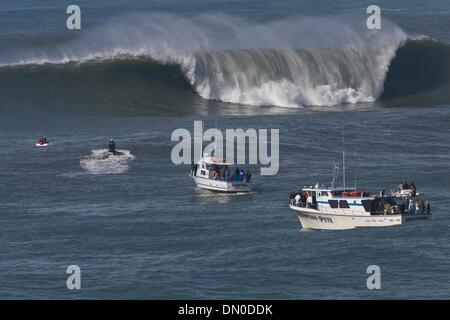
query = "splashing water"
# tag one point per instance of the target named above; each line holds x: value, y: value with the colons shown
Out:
x: 98, y: 162
x: 291, y: 62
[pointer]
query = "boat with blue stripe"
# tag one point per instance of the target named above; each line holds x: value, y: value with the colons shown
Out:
x: 339, y: 208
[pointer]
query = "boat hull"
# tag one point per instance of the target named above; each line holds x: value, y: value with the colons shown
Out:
x: 314, y: 219
x: 222, y: 186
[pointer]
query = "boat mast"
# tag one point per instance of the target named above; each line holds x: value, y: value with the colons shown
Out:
x: 335, y: 174
x: 215, y: 141
x: 201, y: 142
x: 332, y: 179
x: 343, y: 154
x: 354, y: 164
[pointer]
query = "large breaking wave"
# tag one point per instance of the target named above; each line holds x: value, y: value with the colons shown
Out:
x: 289, y: 63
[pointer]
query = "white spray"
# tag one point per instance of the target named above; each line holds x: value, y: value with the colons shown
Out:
x: 291, y: 62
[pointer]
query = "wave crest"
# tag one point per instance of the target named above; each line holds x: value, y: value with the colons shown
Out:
x: 291, y: 62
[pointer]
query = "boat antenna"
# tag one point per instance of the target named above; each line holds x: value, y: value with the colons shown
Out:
x: 355, y: 168
x: 343, y: 154
x: 215, y: 140
x: 201, y: 142
x: 333, y: 175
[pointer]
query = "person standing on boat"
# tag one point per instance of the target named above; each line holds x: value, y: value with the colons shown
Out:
x: 241, y: 175
x: 418, y: 208
x: 227, y: 175
x: 248, y: 176
x: 292, y: 197
x: 411, y: 207
x: 297, y: 199
x: 309, y: 201
x: 422, y: 206
x: 387, y: 208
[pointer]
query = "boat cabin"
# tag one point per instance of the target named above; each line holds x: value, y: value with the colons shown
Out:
x: 336, y: 198
x: 216, y: 168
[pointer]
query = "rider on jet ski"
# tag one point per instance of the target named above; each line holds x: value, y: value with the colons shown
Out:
x: 112, y: 147
x: 43, y: 140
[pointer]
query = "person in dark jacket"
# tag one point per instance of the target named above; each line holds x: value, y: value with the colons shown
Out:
x: 112, y: 147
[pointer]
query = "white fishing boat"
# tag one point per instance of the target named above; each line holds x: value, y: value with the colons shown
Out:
x: 340, y: 208
x: 215, y: 174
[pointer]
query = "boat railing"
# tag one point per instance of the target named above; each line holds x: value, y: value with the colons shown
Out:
x: 301, y: 204
x: 243, y: 176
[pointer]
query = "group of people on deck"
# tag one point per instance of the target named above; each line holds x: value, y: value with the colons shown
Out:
x: 214, y: 174
x: 407, y: 186
x: 302, y: 199
x: 410, y: 205
x: 239, y: 175
x: 385, y: 205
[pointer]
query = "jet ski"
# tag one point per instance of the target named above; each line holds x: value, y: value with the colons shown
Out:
x: 113, y: 152
x: 42, y: 143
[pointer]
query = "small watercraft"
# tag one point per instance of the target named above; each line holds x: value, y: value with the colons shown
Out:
x: 343, y: 207
x: 215, y: 174
x: 340, y: 208
x: 111, y: 150
x: 42, y: 142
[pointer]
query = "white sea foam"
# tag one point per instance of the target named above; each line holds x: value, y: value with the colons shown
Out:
x: 98, y: 162
x: 289, y: 63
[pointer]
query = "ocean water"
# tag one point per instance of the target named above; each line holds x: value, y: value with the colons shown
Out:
x: 137, y: 226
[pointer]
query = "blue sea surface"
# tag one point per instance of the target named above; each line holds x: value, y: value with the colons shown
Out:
x: 139, y: 229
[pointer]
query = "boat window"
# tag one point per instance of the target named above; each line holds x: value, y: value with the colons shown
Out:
x: 367, y: 205
x: 203, y: 173
x: 343, y: 204
x: 333, y: 204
